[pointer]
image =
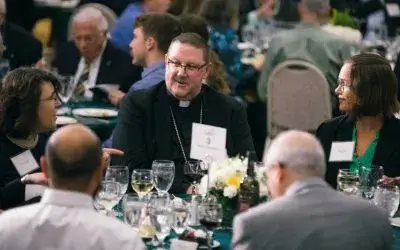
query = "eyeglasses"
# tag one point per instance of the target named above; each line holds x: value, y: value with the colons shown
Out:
x: 342, y: 85
x: 53, y: 97
x: 188, y: 68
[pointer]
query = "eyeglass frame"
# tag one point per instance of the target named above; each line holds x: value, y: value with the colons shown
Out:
x: 186, y: 67
x: 342, y: 85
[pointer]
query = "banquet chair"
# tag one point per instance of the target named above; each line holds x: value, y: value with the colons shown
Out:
x: 298, y: 98
x: 108, y: 13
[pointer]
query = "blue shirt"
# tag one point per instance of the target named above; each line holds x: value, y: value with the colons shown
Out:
x: 150, y: 76
x: 122, y: 32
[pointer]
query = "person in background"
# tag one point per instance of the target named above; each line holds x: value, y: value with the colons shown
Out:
x: 28, y: 103
x: 308, y: 42
x: 156, y: 123
x: 74, y: 165
x: 20, y: 47
x: 181, y: 7
x: 92, y: 58
x: 217, y: 79
x: 153, y: 34
x: 122, y: 32
x: 367, y: 93
x: 305, y: 209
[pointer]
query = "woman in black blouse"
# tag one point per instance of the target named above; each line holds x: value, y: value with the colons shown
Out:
x: 28, y: 103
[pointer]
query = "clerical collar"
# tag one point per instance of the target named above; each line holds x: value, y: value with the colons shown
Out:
x: 184, y: 104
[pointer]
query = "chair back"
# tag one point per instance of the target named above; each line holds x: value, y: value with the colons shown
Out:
x: 298, y: 98
x: 108, y: 13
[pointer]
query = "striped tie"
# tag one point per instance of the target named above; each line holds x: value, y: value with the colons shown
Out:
x: 80, y: 87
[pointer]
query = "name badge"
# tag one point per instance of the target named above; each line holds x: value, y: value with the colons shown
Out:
x: 208, y: 141
x: 393, y: 9
x: 183, y: 245
x: 24, y: 162
x: 342, y: 151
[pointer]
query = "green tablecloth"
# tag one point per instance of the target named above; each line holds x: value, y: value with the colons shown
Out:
x: 103, y: 127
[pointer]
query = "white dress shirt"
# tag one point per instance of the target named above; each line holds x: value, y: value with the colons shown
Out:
x: 64, y: 220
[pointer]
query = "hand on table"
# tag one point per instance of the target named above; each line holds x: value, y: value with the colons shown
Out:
x: 115, y: 96
x: 36, y: 178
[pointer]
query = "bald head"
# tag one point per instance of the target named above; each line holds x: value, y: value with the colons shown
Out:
x: 73, y: 152
x: 298, y: 151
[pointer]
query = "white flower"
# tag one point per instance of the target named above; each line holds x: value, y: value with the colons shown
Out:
x: 230, y: 191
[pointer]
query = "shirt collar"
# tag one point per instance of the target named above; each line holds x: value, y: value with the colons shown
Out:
x: 96, y: 61
x: 154, y: 67
x: 67, y: 198
x: 305, y: 185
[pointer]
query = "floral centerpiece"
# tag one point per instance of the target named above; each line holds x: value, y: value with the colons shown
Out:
x: 225, y: 178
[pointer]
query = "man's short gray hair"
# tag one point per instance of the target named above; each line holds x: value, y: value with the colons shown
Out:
x: 90, y: 14
x: 3, y: 7
x: 317, y: 5
x: 297, y: 151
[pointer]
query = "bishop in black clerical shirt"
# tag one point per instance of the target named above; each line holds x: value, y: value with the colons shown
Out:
x: 156, y: 124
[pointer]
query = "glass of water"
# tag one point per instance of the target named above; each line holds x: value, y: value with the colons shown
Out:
x: 108, y: 195
x: 163, y: 175
x: 161, y: 218
x: 388, y: 198
x: 348, y: 182
x: 369, y: 178
x: 180, y: 213
x: 134, y: 210
x: 119, y: 174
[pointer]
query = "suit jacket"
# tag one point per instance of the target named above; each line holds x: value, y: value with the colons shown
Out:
x: 313, y: 216
x: 144, y: 130
x: 387, y: 153
x: 115, y: 67
x: 21, y: 48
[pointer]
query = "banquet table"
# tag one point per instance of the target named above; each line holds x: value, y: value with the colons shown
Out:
x: 103, y: 127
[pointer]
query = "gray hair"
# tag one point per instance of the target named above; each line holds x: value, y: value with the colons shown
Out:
x: 3, y: 7
x: 90, y: 14
x: 297, y: 151
x: 317, y: 5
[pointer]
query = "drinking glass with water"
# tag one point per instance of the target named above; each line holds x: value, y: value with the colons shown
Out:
x: 348, y: 182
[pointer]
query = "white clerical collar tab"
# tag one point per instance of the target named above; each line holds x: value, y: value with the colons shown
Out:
x: 184, y: 104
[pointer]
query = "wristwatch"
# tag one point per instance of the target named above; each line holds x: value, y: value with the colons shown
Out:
x: 26, y: 179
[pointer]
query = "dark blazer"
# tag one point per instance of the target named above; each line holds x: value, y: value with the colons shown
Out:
x: 12, y: 191
x: 387, y: 152
x: 115, y: 67
x: 144, y: 130
x: 21, y: 48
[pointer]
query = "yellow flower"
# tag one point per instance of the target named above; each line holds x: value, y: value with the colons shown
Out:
x: 233, y: 181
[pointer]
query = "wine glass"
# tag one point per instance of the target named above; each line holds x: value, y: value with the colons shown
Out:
x: 210, y: 214
x: 134, y: 210
x: 67, y: 87
x: 388, y: 198
x: 194, y: 171
x: 369, y: 178
x: 142, y: 181
x: 180, y: 212
x: 119, y: 174
x: 108, y: 195
x: 163, y: 175
x: 348, y: 182
x: 161, y: 219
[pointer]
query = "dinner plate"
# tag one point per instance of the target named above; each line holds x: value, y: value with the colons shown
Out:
x: 95, y: 112
x: 64, y: 120
x: 395, y: 221
x: 215, y: 244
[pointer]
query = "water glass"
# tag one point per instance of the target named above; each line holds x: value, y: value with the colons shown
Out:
x: 119, y: 174
x: 180, y: 212
x: 388, y: 198
x: 348, y: 182
x: 67, y: 88
x: 134, y: 210
x: 108, y: 195
x: 142, y: 181
x: 162, y: 220
x: 369, y: 178
x: 163, y: 175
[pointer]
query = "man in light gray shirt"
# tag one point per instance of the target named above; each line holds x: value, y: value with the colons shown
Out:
x: 305, y: 213
x: 65, y: 218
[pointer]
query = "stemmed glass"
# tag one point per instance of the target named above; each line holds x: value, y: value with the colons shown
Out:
x: 119, y: 174
x: 163, y: 175
x: 369, y: 178
x: 67, y: 88
x: 388, y: 198
x: 193, y: 169
x: 180, y: 211
x: 108, y: 195
x: 161, y: 218
x: 210, y: 214
x: 142, y: 181
x: 348, y: 182
x: 134, y: 210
